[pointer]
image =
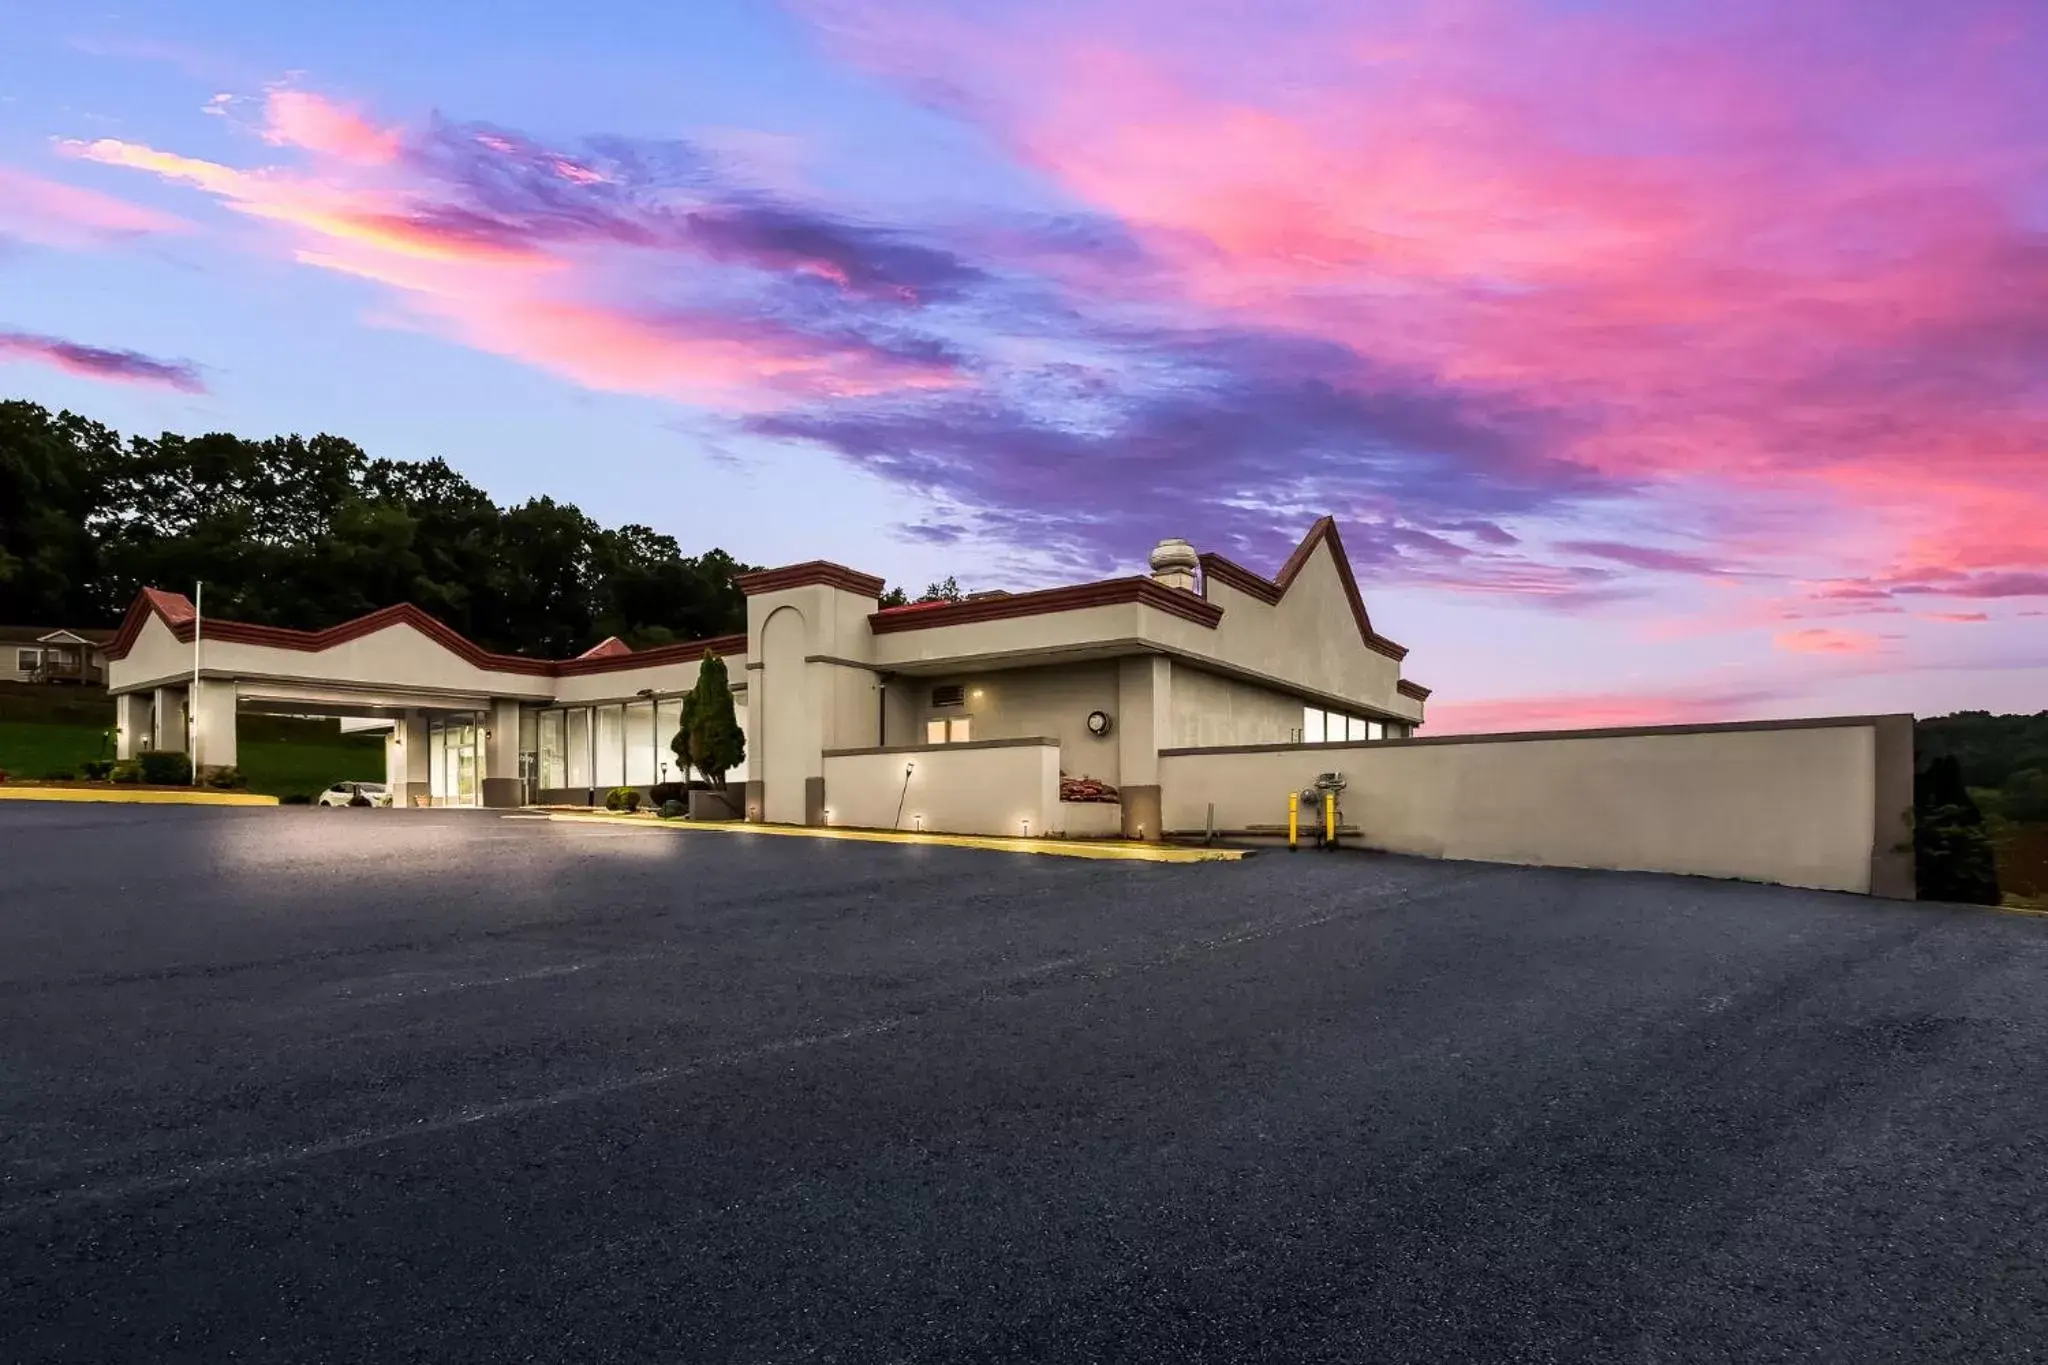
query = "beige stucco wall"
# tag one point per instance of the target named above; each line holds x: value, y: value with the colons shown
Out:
x: 1022, y: 702
x: 397, y: 656
x: 1308, y: 639
x: 1209, y: 709
x: 1089, y: 820
x: 1013, y: 636
x: 785, y: 719
x: 1794, y: 806
x: 1003, y: 789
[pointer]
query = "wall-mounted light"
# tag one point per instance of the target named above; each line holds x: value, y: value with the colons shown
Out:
x: 1027, y: 829
x: 918, y: 821
x: 1098, y: 723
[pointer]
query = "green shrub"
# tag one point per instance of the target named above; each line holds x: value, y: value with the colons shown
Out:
x: 711, y: 731
x: 226, y: 778
x: 661, y: 793
x: 127, y: 770
x: 162, y: 768
x: 97, y: 770
x: 60, y: 775
x: 622, y: 798
x: 673, y: 810
x: 1953, y: 856
x: 2026, y: 796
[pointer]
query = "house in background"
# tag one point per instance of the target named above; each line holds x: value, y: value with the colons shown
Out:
x: 38, y: 654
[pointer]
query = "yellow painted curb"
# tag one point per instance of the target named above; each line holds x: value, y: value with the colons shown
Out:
x: 1131, y: 852
x: 115, y: 796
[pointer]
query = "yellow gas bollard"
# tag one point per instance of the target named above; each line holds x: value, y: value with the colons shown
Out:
x: 1329, y: 819
x: 1293, y: 820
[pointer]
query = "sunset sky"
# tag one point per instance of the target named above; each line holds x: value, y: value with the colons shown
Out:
x: 1660, y: 361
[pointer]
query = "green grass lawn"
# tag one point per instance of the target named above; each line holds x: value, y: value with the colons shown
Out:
x: 41, y: 736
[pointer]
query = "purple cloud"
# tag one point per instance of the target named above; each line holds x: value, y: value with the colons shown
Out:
x: 96, y: 362
x: 1642, y: 557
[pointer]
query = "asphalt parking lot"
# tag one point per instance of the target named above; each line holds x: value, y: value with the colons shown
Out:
x: 297, y: 1085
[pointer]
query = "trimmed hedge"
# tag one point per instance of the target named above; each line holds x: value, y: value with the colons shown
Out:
x: 162, y: 768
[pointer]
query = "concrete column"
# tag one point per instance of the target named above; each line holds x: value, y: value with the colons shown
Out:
x: 214, y: 739
x: 501, y: 785
x: 132, y: 723
x: 1144, y: 724
x: 169, y: 736
x: 412, y: 774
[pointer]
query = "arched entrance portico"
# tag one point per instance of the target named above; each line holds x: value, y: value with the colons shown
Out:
x: 786, y: 718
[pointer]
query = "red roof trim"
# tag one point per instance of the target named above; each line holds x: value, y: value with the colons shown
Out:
x: 914, y: 606
x: 165, y: 605
x: 812, y: 572
x: 609, y: 647
x: 1109, y: 592
x: 686, y: 652
x: 1271, y: 590
x: 1410, y: 689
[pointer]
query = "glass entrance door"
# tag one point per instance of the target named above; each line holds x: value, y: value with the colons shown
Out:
x: 452, y: 770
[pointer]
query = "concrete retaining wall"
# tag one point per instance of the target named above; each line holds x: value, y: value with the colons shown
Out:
x: 1006, y: 787
x: 1813, y: 803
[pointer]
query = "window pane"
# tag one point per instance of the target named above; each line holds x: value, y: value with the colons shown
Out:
x: 639, y: 743
x: 554, y: 772
x: 611, y: 746
x: 1379, y: 731
x: 578, y: 746
x: 960, y: 733
x: 669, y: 719
x: 1311, y: 725
x: 26, y: 660
x: 935, y: 732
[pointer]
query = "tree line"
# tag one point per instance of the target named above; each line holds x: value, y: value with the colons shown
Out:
x: 302, y: 532
x: 309, y: 532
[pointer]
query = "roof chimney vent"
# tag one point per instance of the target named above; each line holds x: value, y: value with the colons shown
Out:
x: 1174, y: 562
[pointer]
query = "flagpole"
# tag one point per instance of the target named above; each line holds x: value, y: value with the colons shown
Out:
x: 198, y: 609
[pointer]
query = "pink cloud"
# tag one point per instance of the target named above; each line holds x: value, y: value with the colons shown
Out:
x: 54, y: 214
x: 1826, y: 640
x: 1963, y: 617
x: 1778, y: 277
x: 557, y: 304
x: 299, y: 118
x: 97, y: 362
x: 1586, y: 711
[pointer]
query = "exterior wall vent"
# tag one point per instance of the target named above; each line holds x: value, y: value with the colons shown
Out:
x: 952, y: 694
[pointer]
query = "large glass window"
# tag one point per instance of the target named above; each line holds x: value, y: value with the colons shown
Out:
x: 668, y: 713
x: 1312, y: 725
x: 554, y: 769
x: 577, y: 744
x: 639, y: 743
x: 611, y: 746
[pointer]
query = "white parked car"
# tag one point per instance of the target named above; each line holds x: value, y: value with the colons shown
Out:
x: 345, y: 793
